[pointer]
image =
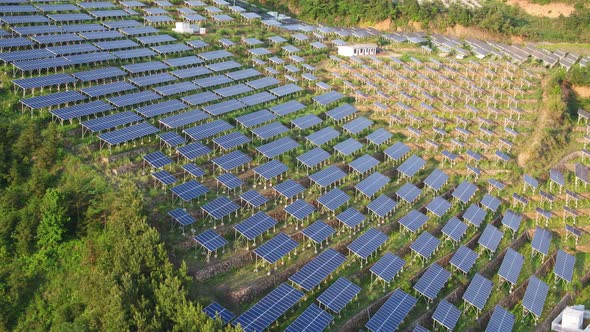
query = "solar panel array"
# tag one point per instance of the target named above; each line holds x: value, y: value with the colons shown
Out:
x: 339, y: 294
x: 392, y: 313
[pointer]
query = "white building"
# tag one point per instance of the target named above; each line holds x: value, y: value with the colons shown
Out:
x: 571, y: 319
x: 357, y: 49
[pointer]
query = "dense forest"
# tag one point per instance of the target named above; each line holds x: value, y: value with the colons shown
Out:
x: 76, y: 251
x: 493, y: 16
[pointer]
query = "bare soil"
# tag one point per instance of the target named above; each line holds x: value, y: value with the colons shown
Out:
x: 582, y: 91
x: 552, y: 10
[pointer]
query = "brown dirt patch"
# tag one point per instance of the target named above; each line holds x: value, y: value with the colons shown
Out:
x: 552, y: 10
x: 384, y: 25
x: 582, y: 91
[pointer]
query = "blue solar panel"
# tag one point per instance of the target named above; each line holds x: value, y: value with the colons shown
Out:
x: 366, y: 244
x: 255, y: 225
x: 300, y: 209
x: 372, y: 184
x: 341, y: 112
x: 220, y: 207
x: 269, y: 309
x: 254, y: 198
x: 107, y: 89
x: 333, y: 199
x: 464, y: 259
x: 535, y: 296
x: 285, y: 90
x: 210, y: 240
x: 564, y: 265
x: 172, y: 139
x: 356, y: 126
x: 314, y: 157
x: 53, y: 99
x: 382, y: 206
x: 271, y: 169
x: 82, y: 110
x: 388, y: 266
x: 193, y: 150
x: 425, y: 245
x: 224, y: 107
x: 278, y: 147
x: 131, y: 99
x: 318, y: 232
x: 339, y: 294
x: 478, y: 291
x: 306, y: 121
x: 164, y: 177
x: 182, y: 217
x: 464, y: 191
x: 318, y: 269
x: 397, y: 151
x: 438, y: 206
x: 215, y: 310
x: 408, y: 192
x: 379, y: 136
x: 275, y: 248
x: 413, y: 221
x: 313, y: 319
x: 143, y: 81
x: 98, y: 74
x: 446, y: 315
x: 323, y: 136
x: 557, y: 177
x: 208, y: 129
x: 232, y: 160
x: 474, y: 215
x: 511, y: 266
x: 363, y: 164
x: 270, y: 130
x: 454, y: 229
x: 392, y: 313
x: 231, y: 140
x: 432, y: 281
x: 230, y: 181
x: 411, y: 166
x: 289, y: 188
x: 286, y: 108
x: 501, y: 320
x: 490, y: 238
x: 328, y: 176
x: 512, y: 220
x: 542, y: 240
x: 351, y: 217
x: 328, y: 98
x: 190, y: 190
x: 111, y: 121
x: 255, y: 118
x: 157, y: 159
x: 183, y: 119
x: 348, y: 146
x: 127, y: 134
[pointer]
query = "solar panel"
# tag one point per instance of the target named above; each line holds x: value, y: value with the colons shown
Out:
x: 372, y: 184
x: 306, y: 121
x: 363, y: 164
x: 211, y: 81
x: 193, y: 150
x: 269, y: 309
x: 215, y: 310
x: 255, y: 118
x: 277, y: 147
x: 111, y: 121
x: 289, y: 107
x: 512, y: 220
x: 454, y: 229
x: 323, y: 136
x: 172, y: 139
x: 356, y: 126
x: 271, y: 169
x: 490, y: 202
x: 220, y: 207
x: 420, y: 328
x: 478, y: 291
x: 542, y: 240
x: 348, y: 147
x: 275, y: 248
x: 157, y: 159
x: 564, y: 265
x: 438, y: 206
x: 53, y: 99
x: 254, y: 198
x: 379, y: 136
x: 318, y: 269
x: 490, y: 238
x: 464, y: 259
x: 339, y: 294
x: 190, y: 190
x: 82, y: 110
x: 182, y: 217
x: 232, y: 160
x: 230, y: 181
x: 311, y: 320
x: 341, y: 112
x: 535, y: 296
x: 366, y: 244
x: 413, y: 221
x: 411, y: 166
x: 464, y: 191
x: 425, y: 245
x: 183, y: 61
x: 127, y: 134
x: 262, y: 83
x: 328, y: 176
x: 208, y: 129
x: 501, y: 320
x: 131, y: 99
x: 255, y: 225
x: 397, y: 151
x: 289, y: 188
x: 392, y: 313
x: 285, y: 90
x: 333, y: 199
x: 270, y: 130
x: 408, y: 192
x: 351, y: 217
x: 557, y: 177
x: 210, y: 240
x: 446, y: 314
x: 474, y: 215
x: 314, y: 157
x: 328, y: 98
x: 164, y: 177
x: 511, y: 266
x: 387, y: 267
x: 193, y: 170
x: 432, y: 281
x: 98, y: 74
x: 382, y: 206
x: 231, y: 140
x: 300, y: 209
